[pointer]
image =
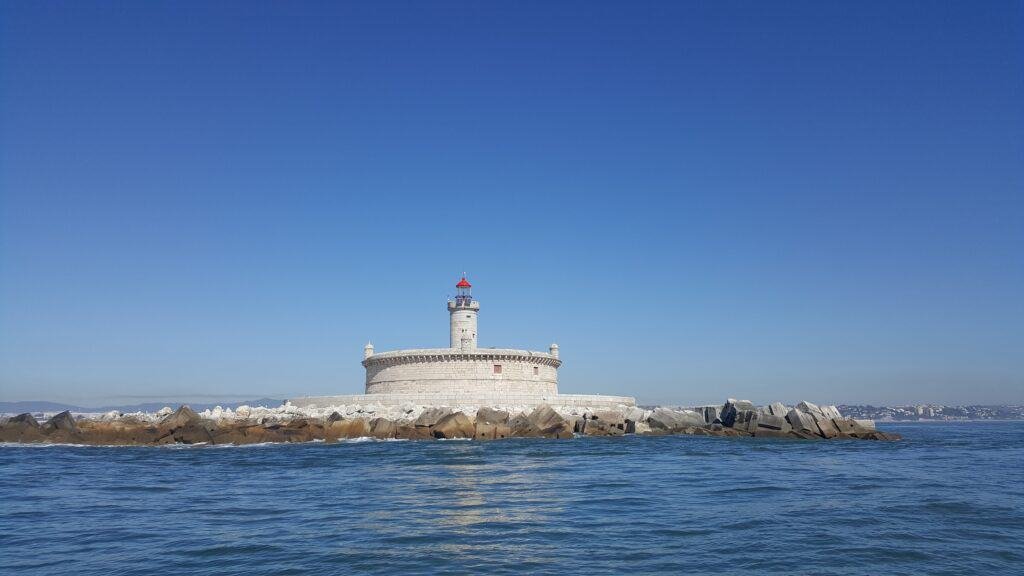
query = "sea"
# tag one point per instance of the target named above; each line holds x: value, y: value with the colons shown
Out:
x: 947, y: 499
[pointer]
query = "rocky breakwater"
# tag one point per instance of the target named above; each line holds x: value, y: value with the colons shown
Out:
x: 288, y: 424
x: 805, y: 421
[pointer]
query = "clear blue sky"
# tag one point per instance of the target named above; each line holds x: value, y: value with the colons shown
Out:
x: 771, y: 200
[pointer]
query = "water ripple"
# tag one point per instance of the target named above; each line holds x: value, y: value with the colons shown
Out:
x: 948, y: 499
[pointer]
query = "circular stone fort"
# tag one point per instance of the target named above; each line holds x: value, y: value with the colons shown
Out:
x: 464, y: 374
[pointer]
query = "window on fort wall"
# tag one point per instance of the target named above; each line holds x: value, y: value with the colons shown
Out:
x: 497, y: 368
x: 536, y: 370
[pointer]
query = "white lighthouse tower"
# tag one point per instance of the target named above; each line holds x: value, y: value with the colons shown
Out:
x: 463, y: 311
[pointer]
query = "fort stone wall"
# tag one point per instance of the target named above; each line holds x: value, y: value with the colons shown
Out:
x: 446, y: 371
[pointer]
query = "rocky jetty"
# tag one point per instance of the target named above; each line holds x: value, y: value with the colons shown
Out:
x: 248, y: 425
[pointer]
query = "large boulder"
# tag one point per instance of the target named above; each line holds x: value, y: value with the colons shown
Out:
x: 604, y: 424
x: 692, y: 418
x: 822, y: 418
x: 455, y: 425
x: 771, y: 422
x: 711, y: 414
x: 575, y: 422
x: 491, y: 416
x: 731, y: 409
x: 409, y: 431
x: 432, y: 416
x: 746, y: 421
x: 632, y: 417
x: 24, y: 419
x: 728, y: 416
x: 851, y: 427
x: 809, y: 408
x: 21, y: 428
x: 543, y: 421
x: 612, y: 417
x: 520, y: 426
x: 186, y: 427
x: 550, y: 423
x: 825, y: 426
x: 239, y: 433
x: 192, y: 434
x: 778, y: 409
x: 544, y: 416
x: 349, y: 427
x: 181, y: 417
x: 633, y: 413
x: 831, y: 412
x: 845, y: 427
x: 382, y: 428
x: 491, y: 424
x: 302, y: 430
x: 672, y: 421
x: 802, y: 422
x: 62, y: 428
x: 63, y: 421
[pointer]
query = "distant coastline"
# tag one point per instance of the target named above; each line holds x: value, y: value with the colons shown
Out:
x: 46, y: 407
x: 907, y: 413
x: 935, y: 412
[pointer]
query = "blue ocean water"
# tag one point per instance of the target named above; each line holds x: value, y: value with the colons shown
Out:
x: 948, y: 499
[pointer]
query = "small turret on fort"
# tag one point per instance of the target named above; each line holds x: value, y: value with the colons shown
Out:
x: 463, y: 312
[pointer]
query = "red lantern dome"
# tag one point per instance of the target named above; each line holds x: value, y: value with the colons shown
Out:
x: 465, y: 289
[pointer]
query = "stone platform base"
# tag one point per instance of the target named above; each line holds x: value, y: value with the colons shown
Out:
x: 480, y: 400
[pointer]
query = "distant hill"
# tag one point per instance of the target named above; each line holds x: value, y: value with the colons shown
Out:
x: 44, y: 406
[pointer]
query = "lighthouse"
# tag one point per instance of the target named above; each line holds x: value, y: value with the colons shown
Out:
x: 462, y: 312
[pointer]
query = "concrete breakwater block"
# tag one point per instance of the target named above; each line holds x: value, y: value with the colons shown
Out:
x: 491, y: 424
